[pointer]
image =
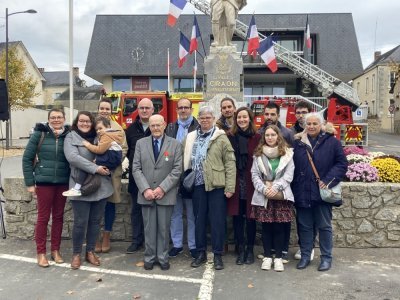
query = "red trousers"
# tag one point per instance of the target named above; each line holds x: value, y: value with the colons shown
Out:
x: 50, y: 201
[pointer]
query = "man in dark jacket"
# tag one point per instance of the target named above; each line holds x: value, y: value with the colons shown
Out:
x: 301, y: 108
x: 271, y: 117
x: 137, y: 130
x: 186, y: 123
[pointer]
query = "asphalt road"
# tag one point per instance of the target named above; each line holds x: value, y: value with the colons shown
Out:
x: 356, y: 274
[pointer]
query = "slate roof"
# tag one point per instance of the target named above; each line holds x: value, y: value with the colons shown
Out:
x: 56, y: 78
x: 118, y: 41
x: 386, y: 58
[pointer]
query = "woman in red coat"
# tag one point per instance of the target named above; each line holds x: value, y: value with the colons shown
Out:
x: 244, y: 139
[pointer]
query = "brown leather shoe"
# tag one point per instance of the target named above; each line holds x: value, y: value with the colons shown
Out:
x: 42, y: 260
x: 56, y: 256
x: 105, y: 246
x: 92, y: 258
x: 76, y: 261
x: 97, y: 248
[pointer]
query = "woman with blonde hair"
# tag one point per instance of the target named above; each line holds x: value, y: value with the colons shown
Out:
x: 272, y: 203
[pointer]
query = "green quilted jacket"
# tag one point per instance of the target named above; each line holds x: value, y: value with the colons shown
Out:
x: 52, y: 167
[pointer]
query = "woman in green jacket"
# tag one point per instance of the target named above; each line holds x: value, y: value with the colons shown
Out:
x: 208, y: 152
x: 46, y: 174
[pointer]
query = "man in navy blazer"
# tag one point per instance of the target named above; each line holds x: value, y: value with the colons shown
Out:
x: 156, y: 168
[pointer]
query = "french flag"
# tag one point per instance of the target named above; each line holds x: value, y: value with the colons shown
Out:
x: 184, y: 46
x: 195, y: 34
x: 267, y: 54
x: 175, y: 10
x: 308, y: 35
x: 252, y: 37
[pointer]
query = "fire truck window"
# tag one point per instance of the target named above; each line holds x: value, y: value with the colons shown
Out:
x: 130, y: 105
x: 258, y: 109
x: 158, y: 105
x: 115, y: 104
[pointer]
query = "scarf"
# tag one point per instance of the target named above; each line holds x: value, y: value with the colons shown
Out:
x: 183, y: 128
x: 200, y: 146
x: 270, y: 152
x: 88, y: 136
x: 57, y: 132
x: 297, y: 127
x: 240, y: 147
x: 223, y: 123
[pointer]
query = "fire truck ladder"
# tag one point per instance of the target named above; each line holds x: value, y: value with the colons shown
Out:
x: 326, y: 83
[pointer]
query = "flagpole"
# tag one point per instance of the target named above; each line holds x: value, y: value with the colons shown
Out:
x: 168, y: 73
x: 194, y: 71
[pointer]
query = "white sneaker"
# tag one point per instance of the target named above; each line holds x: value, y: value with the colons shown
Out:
x: 278, y: 265
x: 266, y: 264
x: 72, y: 193
x: 298, y: 255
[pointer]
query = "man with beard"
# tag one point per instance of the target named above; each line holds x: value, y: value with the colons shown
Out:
x: 228, y: 109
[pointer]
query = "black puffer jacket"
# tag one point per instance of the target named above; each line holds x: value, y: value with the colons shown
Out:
x: 52, y: 167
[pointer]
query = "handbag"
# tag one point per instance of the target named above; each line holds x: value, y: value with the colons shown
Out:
x: 188, y: 181
x: 91, y: 184
x: 329, y: 195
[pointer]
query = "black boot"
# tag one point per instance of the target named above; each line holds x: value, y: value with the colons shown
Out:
x: 201, y: 259
x: 249, y: 256
x: 240, y: 258
x: 218, y: 264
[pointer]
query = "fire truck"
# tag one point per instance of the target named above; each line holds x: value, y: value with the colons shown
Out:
x: 124, y: 104
x: 338, y: 112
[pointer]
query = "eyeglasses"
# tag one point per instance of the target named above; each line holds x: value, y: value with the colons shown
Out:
x: 301, y: 112
x: 144, y: 108
x: 184, y: 107
x: 56, y: 118
x: 85, y: 121
x: 205, y: 118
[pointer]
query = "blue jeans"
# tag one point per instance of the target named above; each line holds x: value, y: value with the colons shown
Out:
x: 109, y: 216
x: 87, y: 220
x: 177, y: 223
x: 319, y: 216
x: 209, y: 205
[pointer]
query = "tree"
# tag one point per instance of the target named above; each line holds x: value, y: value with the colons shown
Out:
x: 21, y: 86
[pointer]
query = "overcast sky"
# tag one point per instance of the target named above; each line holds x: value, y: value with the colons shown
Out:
x: 45, y: 34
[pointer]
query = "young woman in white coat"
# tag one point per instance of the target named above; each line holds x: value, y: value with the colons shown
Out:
x: 272, y: 173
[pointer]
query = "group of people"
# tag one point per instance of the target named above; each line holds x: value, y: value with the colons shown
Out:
x: 254, y: 175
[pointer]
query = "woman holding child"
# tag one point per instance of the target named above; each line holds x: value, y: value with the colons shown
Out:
x: 87, y: 210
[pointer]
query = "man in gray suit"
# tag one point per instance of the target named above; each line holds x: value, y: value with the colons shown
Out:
x: 156, y: 168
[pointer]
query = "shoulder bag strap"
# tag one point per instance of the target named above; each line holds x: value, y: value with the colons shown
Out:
x: 312, y: 165
x: 36, y: 159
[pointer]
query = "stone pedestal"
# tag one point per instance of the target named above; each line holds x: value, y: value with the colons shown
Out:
x: 223, y: 74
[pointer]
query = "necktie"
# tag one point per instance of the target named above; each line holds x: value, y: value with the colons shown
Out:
x: 156, y: 150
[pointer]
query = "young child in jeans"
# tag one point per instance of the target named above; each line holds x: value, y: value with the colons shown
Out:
x: 108, y: 150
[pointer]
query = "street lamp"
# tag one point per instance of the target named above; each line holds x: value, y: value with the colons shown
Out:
x: 8, y: 123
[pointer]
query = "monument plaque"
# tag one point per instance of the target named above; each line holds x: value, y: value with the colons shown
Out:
x: 223, y: 73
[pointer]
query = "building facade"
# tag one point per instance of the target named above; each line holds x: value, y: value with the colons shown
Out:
x: 374, y: 86
x: 129, y: 52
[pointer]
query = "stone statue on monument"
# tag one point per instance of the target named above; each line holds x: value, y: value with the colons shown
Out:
x: 223, y: 18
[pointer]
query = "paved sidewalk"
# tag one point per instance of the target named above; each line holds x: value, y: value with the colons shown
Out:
x: 356, y: 274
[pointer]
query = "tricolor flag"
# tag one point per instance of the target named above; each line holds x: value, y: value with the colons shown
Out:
x: 195, y: 35
x: 308, y: 35
x: 267, y: 53
x: 184, y: 46
x: 175, y: 9
x: 252, y: 38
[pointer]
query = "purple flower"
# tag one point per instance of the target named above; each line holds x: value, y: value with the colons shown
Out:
x: 362, y: 172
